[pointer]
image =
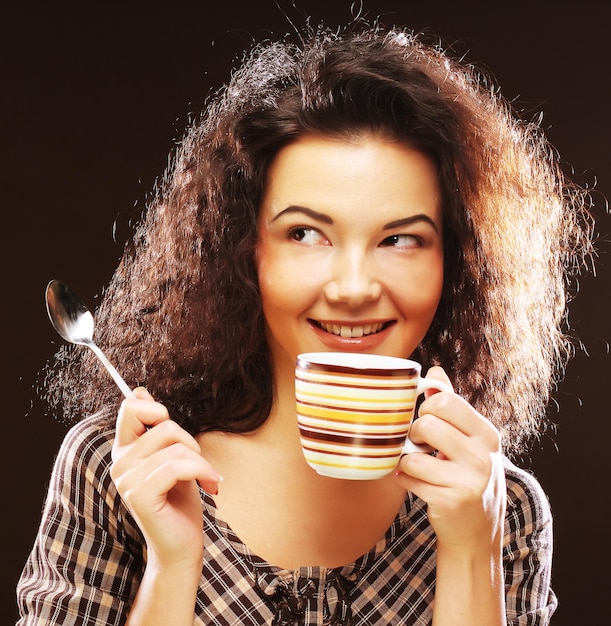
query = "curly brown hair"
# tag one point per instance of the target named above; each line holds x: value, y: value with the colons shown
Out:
x: 182, y: 313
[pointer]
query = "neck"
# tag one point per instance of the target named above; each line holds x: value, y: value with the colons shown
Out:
x: 281, y: 424
x: 282, y: 509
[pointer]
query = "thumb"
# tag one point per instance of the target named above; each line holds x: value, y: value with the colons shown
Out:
x: 142, y: 394
x: 437, y: 373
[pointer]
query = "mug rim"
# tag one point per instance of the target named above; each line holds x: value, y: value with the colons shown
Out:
x: 357, y: 362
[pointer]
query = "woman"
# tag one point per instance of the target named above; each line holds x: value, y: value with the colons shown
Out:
x: 362, y: 192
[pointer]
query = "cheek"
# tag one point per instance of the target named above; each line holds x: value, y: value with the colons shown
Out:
x: 421, y: 306
x: 434, y: 289
x: 288, y: 281
x: 432, y: 295
x: 275, y: 283
x: 421, y: 294
x: 264, y: 264
x: 267, y: 288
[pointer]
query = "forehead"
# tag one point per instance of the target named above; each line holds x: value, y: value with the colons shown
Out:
x: 368, y: 171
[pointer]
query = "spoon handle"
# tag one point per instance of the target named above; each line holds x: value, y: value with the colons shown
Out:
x: 123, y: 386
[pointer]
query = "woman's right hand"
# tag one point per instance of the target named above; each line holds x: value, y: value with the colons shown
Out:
x: 155, y: 467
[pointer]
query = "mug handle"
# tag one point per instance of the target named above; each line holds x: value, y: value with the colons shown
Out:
x: 423, y: 385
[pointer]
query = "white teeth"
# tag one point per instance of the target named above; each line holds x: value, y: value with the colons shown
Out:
x: 351, y: 332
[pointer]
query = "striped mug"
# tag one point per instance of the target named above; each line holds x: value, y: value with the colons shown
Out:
x: 354, y: 411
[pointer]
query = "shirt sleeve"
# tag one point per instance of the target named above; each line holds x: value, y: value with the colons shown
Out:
x: 527, y: 551
x: 87, y: 559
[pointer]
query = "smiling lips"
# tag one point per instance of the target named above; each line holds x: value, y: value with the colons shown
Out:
x: 352, y: 332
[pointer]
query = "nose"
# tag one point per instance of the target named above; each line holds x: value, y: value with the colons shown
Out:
x: 354, y: 280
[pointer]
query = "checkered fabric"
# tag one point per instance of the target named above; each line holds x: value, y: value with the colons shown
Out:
x: 87, y: 561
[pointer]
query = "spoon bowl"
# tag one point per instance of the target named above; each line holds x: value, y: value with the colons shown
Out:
x: 74, y: 323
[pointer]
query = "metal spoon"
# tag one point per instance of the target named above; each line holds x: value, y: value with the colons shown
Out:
x: 73, y: 321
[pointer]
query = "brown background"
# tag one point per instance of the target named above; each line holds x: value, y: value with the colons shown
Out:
x: 93, y: 98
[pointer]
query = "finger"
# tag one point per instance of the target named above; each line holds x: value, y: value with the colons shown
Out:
x: 174, y: 473
x: 421, y: 468
x: 442, y: 436
x: 460, y: 414
x: 159, y: 473
x: 163, y: 435
x: 425, y: 475
x: 424, y: 490
x: 136, y: 416
x: 445, y: 486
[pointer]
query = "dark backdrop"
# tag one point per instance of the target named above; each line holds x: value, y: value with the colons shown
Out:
x: 95, y: 96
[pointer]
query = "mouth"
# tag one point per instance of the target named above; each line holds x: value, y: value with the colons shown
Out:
x: 356, y: 331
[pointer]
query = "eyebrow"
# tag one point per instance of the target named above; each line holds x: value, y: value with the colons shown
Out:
x: 321, y: 217
x: 406, y: 221
x: 327, y: 219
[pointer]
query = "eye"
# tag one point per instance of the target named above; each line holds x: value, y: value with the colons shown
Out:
x: 402, y: 241
x: 309, y: 236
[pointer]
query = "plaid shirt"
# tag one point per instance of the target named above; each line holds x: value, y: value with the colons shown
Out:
x: 87, y: 561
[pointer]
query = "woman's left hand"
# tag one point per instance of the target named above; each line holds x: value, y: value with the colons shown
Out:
x: 464, y: 485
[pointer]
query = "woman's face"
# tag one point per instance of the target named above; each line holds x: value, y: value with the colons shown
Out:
x: 350, y: 249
